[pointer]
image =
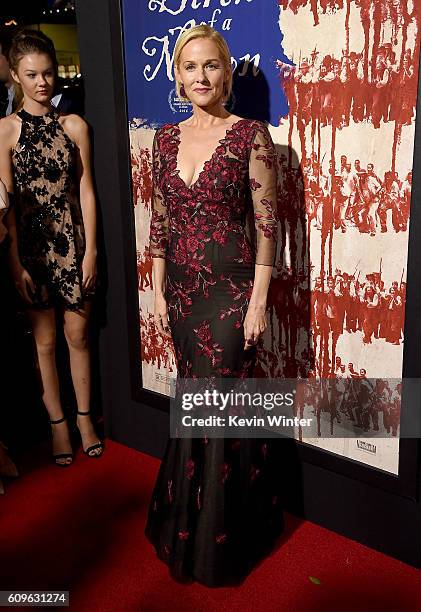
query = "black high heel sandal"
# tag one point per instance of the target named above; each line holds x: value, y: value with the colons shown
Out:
x: 99, y: 444
x: 61, y: 455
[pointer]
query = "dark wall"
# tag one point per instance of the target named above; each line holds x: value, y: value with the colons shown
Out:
x: 336, y: 493
x: 129, y: 422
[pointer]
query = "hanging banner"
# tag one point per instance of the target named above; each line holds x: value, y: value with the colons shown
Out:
x: 151, y: 30
x: 336, y: 81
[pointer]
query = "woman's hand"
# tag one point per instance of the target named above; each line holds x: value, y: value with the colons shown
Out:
x: 254, y: 325
x: 22, y: 280
x: 89, y: 271
x: 161, y: 315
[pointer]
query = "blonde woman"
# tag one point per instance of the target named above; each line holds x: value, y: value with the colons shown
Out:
x: 214, y: 510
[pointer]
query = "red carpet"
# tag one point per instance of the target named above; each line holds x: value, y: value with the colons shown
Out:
x: 81, y: 529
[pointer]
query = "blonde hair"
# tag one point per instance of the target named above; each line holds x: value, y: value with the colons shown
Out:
x: 204, y: 31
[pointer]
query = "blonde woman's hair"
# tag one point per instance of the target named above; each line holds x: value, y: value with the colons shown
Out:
x: 204, y: 31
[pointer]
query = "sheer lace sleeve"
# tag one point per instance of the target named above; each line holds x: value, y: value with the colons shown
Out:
x: 263, y: 184
x: 158, y: 235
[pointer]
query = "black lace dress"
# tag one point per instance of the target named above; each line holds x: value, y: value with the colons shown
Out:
x: 216, y: 506
x: 49, y: 222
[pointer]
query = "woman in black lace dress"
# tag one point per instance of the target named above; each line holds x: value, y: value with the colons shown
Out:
x: 215, y: 508
x: 45, y: 164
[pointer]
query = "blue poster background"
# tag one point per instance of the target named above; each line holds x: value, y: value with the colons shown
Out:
x: 151, y: 28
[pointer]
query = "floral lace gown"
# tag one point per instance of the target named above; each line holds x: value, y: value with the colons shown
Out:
x: 215, y: 509
x: 51, y: 238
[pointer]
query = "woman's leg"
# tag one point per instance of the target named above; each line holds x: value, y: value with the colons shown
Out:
x: 76, y: 333
x: 44, y: 331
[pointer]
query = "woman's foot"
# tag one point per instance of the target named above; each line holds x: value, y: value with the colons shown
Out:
x: 62, y: 449
x: 92, y: 446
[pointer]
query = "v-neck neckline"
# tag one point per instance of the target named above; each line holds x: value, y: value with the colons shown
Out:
x: 215, y: 151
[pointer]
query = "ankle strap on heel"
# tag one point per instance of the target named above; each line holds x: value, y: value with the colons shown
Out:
x: 83, y: 413
x: 58, y: 421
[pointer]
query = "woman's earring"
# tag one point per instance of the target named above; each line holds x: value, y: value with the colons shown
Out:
x: 182, y: 91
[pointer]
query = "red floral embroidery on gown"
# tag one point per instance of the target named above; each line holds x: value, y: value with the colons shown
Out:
x: 215, y: 509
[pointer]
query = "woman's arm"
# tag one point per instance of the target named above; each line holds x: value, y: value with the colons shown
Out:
x: 263, y: 184
x: 6, y: 176
x: 8, y: 137
x: 4, y: 207
x: 158, y: 241
x: 78, y: 131
x: 262, y: 276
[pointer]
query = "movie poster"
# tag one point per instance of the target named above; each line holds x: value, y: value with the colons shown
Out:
x: 336, y: 81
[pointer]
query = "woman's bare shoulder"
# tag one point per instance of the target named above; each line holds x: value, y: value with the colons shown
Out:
x: 10, y: 123
x: 74, y: 125
x: 10, y: 129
